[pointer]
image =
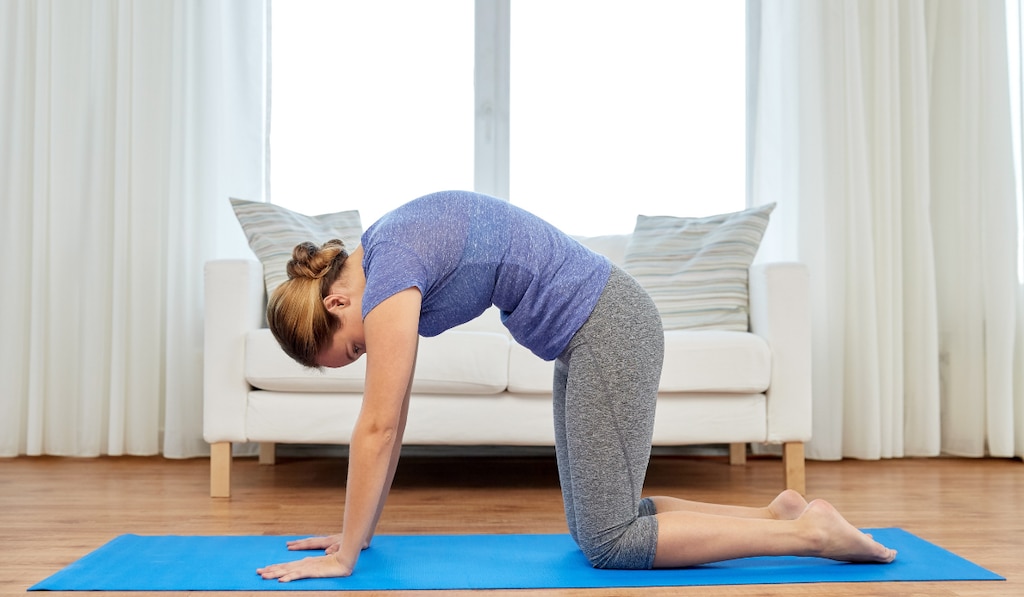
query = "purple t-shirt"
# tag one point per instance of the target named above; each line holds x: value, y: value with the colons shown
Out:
x: 466, y: 251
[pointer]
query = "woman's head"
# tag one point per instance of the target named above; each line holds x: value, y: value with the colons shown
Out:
x: 296, y: 312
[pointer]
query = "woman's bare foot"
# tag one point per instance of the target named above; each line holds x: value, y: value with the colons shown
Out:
x: 788, y: 505
x: 837, y: 539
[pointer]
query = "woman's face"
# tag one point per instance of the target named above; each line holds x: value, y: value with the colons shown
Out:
x: 348, y: 342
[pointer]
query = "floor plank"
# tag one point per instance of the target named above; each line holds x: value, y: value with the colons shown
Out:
x: 54, y: 510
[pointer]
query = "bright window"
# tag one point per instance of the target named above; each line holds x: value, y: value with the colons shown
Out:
x: 371, y: 103
x: 620, y: 108
x: 617, y: 107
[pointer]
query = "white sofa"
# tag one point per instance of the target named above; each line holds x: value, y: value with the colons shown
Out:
x: 475, y: 386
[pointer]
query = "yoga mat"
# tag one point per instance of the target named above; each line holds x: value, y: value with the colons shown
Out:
x: 411, y: 562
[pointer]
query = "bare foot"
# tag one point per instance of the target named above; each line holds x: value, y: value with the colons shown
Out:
x: 837, y: 539
x: 789, y: 505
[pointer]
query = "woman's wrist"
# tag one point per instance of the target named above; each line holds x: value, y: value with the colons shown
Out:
x: 348, y: 553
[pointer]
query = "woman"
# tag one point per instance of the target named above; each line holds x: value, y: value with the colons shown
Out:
x: 440, y: 261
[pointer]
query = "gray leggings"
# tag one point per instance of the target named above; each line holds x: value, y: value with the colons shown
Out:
x: 605, y: 388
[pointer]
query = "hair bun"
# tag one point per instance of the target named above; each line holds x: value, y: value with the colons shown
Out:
x: 311, y: 261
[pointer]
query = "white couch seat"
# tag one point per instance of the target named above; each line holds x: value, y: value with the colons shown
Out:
x: 695, y: 361
x: 456, y: 362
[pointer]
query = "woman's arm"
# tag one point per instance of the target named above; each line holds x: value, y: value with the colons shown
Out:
x: 393, y: 465
x: 392, y: 336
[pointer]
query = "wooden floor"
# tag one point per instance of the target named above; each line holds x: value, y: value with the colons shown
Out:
x: 55, y: 510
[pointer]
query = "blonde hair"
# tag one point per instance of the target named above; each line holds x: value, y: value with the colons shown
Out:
x: 295, y: 312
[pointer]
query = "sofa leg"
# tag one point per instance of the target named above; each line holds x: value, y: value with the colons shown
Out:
x: 268, y: 453
x: 793, y: 464
x: 220, y: 469
x: 737, y: 454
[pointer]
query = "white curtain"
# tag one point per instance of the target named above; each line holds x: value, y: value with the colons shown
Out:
x: 125, y: 127
x: 883, y: 130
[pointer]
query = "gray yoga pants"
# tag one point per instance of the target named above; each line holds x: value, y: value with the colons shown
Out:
x: 605, y: 388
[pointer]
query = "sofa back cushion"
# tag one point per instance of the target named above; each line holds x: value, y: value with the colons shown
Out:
x: 612, y: 246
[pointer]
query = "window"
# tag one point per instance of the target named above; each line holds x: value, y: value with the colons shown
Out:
x: 619, y: 108
x: 371, y: 103
x: 613, y: 107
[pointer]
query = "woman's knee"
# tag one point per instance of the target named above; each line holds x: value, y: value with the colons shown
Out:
x: 631, y: 547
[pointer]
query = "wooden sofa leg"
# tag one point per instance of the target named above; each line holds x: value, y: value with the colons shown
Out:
x: 268, y: 453
x: 793, y: 463
x: 220, y: 469
x: 738, y: 454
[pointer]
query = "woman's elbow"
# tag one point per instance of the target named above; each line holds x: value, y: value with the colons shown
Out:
x: 382, y: 433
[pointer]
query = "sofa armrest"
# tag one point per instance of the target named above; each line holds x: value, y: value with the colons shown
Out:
x: 234, y: 298
x: 780, y: 312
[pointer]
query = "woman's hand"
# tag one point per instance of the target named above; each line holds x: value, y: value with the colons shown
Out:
x: 316, y: 543
x: 315, y: 567
x: 330, y: 544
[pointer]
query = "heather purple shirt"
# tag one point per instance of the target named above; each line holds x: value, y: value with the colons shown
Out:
x: 466, y: 251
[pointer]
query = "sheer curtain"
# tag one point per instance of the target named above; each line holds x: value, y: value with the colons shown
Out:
x: 126, y: 126
x: 883, y: 130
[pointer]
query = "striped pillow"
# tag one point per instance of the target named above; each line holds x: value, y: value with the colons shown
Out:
x: 696, y: 269
x: 273, y: 232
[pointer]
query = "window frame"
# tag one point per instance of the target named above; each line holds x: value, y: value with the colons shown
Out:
x: 492, y: 73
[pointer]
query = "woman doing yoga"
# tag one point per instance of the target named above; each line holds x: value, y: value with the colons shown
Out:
x: 440, y: 261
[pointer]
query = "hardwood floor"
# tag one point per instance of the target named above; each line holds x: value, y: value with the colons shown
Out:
x: 55, y: 510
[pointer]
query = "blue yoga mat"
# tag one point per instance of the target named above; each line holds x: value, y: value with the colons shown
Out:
x: 411, y: 562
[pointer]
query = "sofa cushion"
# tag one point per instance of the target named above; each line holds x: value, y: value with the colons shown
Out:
x: 273, y: 232
x: 456, y: 362
x: 715, y: 361
x: 696, y: 269
x: 708, y: 361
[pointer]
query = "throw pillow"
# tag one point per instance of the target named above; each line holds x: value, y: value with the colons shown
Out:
x: 696, y: 269
x: 273, y: 232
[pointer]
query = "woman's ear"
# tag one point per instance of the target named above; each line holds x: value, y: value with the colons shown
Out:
x: 332, y: 301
